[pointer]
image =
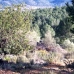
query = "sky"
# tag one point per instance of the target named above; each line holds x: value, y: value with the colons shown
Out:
x: 47, y: 2
x: 41, y: 3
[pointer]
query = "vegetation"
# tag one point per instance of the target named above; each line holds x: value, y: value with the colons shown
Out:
x: 70, y: 10
x: 63, y: 29
x: 32, y: 38
x: 48, y: 19
x: 43, y: 24
x: 14, y: 24
x: 42, y: 30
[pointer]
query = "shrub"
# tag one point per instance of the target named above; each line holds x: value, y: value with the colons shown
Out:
x: 33, y: 37
x: 43, y: 54
x: 68, y: 45
x: 49, y: 39
x: 50, y: 57
x: 13, y: 26
x: 56, y: 58
x: 22, y: 59
x: 10, y: 58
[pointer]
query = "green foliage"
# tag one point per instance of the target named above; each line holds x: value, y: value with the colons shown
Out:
x: 45, y: 18
x: 70, y: 10
x: 63, y: 29
x: 68, y: 45
x: 55, y: 57
x: 14, y: 23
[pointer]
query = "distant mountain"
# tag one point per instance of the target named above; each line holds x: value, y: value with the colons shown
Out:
x: 50, y: 3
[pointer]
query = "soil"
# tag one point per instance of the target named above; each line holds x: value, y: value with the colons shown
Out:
x: 57, y: 69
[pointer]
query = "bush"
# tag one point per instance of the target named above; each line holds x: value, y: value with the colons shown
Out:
x: 13, y: 26
x: 43, y: 54
x: 49, y: 57
x: 68, y: 45
x: 10, y: 58
x: 32, y: 37
x: 49, y: 39
x: 22, y: 59
x: 56, y: 58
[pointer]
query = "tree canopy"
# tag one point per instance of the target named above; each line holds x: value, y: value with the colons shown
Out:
x: 70, y: 10
x: 14, y: 24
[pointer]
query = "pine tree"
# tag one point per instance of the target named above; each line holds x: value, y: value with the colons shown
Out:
x: 14, y: 24
x: 70, y: 10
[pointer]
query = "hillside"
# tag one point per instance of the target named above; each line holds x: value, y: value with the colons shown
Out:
x: 37, y: 41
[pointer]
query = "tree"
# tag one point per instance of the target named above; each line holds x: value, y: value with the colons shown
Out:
x: 47, y: 17
x: 70, y: 10
x: 63, y: 29
x: 14, y: 24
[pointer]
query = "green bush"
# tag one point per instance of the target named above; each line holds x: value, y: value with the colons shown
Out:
x: 68, y: 45
x: 56, y: 58
x: 14, y: 24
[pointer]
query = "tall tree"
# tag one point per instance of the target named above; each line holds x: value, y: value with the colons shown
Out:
x: 14, y: 24
x: 70, y: 10
x: 63, y: 29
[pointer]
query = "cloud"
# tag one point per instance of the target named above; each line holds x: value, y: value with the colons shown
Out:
x: 30, y: 2
x: 46, y: 2
x: 7, y: 2
x: 42, y: 3
x: 39, y: 3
